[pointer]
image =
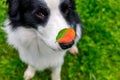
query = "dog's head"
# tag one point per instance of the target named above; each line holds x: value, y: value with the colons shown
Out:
x: 48, y: 17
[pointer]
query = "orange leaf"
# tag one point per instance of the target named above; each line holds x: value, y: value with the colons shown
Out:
x: 68, y: 34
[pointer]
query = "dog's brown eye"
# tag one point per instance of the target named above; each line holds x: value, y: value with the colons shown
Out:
x: 66, y: 11
x: 65, y: 8
x: 40, y: 14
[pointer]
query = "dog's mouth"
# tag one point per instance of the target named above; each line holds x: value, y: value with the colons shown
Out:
x: 60, y: 46
x: 66, y: 45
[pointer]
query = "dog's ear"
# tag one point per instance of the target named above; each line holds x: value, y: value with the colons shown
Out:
x: 13, y: 10
x: 72, y: 2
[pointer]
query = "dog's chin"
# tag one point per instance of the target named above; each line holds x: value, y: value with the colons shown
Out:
x: 55, y: 47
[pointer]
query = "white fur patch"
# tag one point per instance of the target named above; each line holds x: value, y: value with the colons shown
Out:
x: 32, y: 49
x: 52, y: 4
x: 55, y: 23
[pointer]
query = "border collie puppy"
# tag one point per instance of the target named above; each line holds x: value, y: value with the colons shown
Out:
x: 32, y: 27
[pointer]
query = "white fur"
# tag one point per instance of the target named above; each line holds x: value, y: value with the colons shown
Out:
x: 55, y: 23
x: 32, y: 49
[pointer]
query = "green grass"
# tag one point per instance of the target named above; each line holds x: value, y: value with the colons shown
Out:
x: 99, y: 48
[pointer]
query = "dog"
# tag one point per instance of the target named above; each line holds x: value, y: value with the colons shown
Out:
x: 32, y: 27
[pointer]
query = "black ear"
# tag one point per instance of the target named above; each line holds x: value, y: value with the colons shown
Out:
x: 13, y: 11
x: 72, y: 2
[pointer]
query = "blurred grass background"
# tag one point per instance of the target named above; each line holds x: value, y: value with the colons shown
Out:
x: 99, y: 48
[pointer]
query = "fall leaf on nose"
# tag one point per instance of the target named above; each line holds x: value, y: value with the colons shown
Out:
x: 66, y: 35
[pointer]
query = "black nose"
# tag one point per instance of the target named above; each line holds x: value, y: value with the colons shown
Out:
x: 66, y: 45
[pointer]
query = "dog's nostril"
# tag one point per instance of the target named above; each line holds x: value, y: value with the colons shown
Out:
x: 66, y: 45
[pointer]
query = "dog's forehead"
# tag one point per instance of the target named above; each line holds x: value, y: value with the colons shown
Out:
x: 53, y: 3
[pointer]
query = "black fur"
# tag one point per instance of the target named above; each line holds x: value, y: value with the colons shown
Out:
x: 24, y: 13
x: 68, y: 10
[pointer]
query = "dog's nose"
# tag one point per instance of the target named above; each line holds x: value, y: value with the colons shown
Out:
x: 66, y: 45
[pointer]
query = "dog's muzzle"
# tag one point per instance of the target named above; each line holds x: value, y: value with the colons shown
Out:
x: 66, y: 45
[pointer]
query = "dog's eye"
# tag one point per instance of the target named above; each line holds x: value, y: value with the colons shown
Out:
x: 40, y: 14
x: 66, y: 11
x: 65, y: 8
